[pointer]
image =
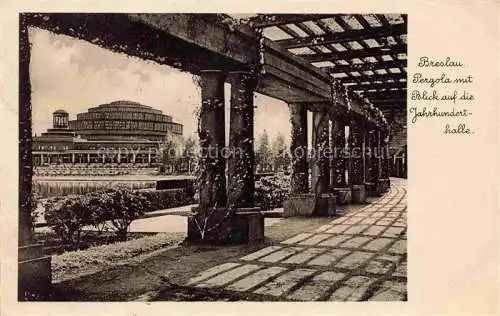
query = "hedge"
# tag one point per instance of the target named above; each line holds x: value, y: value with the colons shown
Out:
x: 116, y: 208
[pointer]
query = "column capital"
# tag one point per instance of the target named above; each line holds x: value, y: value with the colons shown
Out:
x: 244, y: 78
x: 318, y: 107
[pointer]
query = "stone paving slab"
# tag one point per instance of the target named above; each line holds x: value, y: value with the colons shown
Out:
x: 315, y: 239
x: 359, y: 256
x: 316, y: 288
x: 280, y: 254
x: 374, y: 230
x: 334, y: 241
x: 401, y: 270
x: 284, y: 283
x: 328, y: 258
x: 382, y: 264
x: 355, y: 229
x: 354, y: 260
x: 213, y: 271
x: 297, y: 238
x: 229, y: 276
x: 255, y: 279
x: 398, y: 247
x: 378, y: 244
x: 356, y: 242
x: 393, y: 231
x: 305, y: 255
x: 261, y: 253
x: 390, y: 291
x: 353, y: 289
x: 337, y: 229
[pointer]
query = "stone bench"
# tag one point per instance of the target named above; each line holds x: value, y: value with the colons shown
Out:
x: 34, y: 273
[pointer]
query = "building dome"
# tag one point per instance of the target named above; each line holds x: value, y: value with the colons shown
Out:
x: 125, y: 119
x: 60, y: 119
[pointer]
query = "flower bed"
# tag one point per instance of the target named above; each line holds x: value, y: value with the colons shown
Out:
x: 82, y: 262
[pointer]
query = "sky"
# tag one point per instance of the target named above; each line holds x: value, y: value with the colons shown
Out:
x: 74, y: 75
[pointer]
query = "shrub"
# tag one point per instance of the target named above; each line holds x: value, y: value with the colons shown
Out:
x: 118, y: 207
x: 271, y: 191
x: 162, y: 199
x: 67, y: 217
x: 123, y: 207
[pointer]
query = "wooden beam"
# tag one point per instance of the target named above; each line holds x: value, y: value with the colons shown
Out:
x: 387, y: 101
x: 356, y: 53
x: 385, y: 95
x: 268, y: 20
x: 391, y: 85
x: 346, y: 36
x: 365, y: 66
x: 372, y: 78
x: 391, y: 105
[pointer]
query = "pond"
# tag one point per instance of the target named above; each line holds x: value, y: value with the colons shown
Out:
x: 52, y: 188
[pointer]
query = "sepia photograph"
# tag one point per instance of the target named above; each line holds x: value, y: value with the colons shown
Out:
x: 213, y: 157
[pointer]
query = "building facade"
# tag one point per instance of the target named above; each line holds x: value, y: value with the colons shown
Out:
x: 118, y: 133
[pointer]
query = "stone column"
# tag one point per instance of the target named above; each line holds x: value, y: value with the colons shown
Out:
x: 25, y: 142
x: 339, y: 154
x: 320, y: 171
x: 340, y: 183
x: 73, y: 158
x: 211, y: 132
x: 319, y: 202
x: 385, y: 160
x: 372, y: 162
x: 356, y: 170
x: 241, y: 182
x: 355, y: 153
x: 213, y: 220
x: 298, y: 148
x: 34, y: 269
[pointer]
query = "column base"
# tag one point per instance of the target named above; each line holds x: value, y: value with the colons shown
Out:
x: 246, y: 225
x: 344, y: 195
x: 308, y: 204
x: 34, y: 273
x: 384, y: 185
x: 358, y: 194
x: 373, y: 189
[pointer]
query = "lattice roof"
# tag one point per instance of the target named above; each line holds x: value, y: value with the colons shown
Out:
x: 366, y: 52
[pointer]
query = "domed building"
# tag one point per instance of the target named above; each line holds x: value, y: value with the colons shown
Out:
x: 118, y: 134
x: 124, y: 119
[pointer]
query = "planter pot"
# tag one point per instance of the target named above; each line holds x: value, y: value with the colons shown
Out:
x: 344, y: 195
x: 326, y: 205
x: 358, y: 194
x: 372, y: 189
x: 309, y: 204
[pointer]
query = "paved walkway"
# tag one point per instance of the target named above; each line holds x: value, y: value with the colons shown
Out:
x: 357, y: 257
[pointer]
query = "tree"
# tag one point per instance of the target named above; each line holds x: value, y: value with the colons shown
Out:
x: 280, y: 157
x: 263, y: 153
x: 169, y: 152
x: 124, y: 206
x: 189, y: 152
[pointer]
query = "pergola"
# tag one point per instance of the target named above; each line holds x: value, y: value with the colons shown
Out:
x: 347, y: 70
x: 366, y: 52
